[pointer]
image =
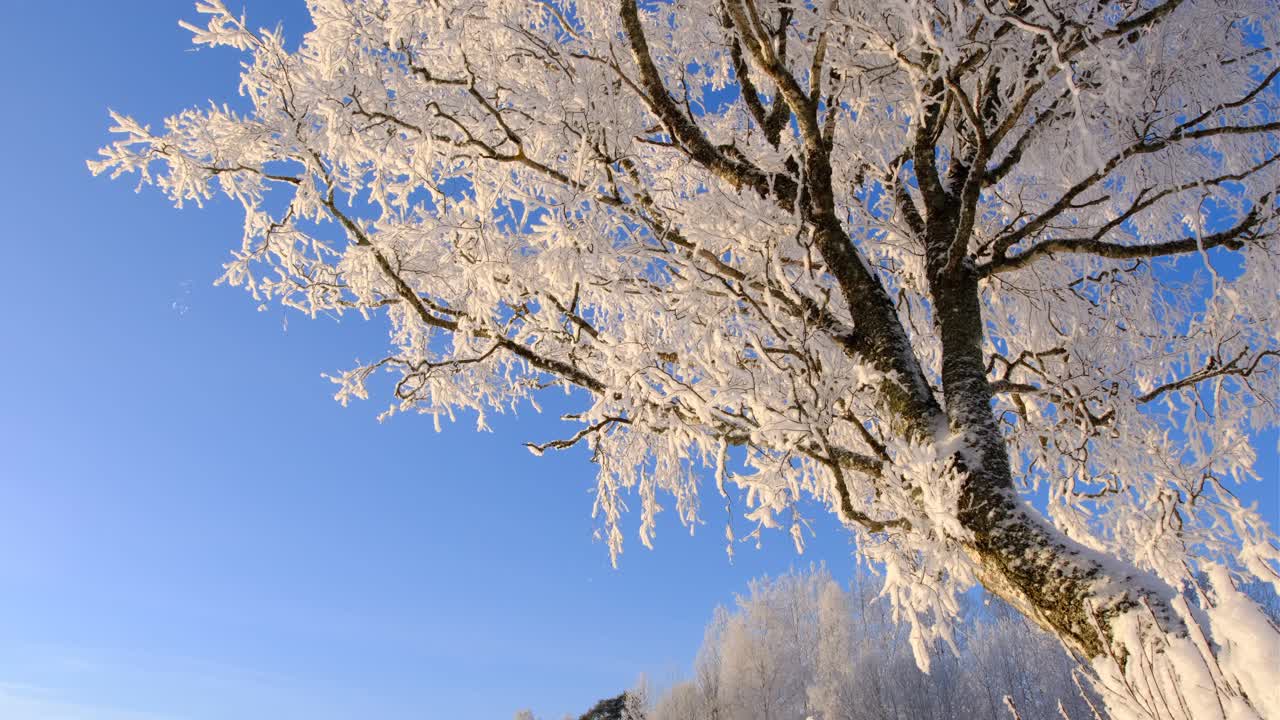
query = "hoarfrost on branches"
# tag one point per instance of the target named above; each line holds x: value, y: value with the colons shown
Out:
x: 819, y: 650
x: 920, y: 261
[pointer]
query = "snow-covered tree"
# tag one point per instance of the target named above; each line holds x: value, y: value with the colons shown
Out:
x: 684, y: 701
x: 833, y: 692
x: 863, y: 668
x: 629, y: 705
x: 768, y: 648
x: 995, y: 281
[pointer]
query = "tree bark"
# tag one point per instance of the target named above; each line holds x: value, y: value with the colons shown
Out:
x: 1066, y: 588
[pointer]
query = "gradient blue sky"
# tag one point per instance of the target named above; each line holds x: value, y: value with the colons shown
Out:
x: 191, y: 528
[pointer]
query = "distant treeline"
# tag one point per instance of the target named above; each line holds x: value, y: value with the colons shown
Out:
x: 803, y: 646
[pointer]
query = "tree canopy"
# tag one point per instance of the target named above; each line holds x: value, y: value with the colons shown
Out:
x: 993, y: 281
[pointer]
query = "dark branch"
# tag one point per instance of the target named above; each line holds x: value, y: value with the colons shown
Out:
x: 1233, y: 238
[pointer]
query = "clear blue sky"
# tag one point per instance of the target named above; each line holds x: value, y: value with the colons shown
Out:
x: 191, y: 528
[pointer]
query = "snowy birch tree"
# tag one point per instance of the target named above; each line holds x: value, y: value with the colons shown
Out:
x: 863, y: 668
x: 993, y: 280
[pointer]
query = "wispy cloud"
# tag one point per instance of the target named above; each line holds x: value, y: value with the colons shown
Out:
x: 29, y: 702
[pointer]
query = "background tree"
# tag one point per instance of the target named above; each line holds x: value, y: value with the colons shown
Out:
x: 628, y: 705
x: 864, y: 669
x: 607, y: 709
x: 917, y: 260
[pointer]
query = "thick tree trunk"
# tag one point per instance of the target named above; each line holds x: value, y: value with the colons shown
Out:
x: 1063, y: 586
x: 1067, y: 589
